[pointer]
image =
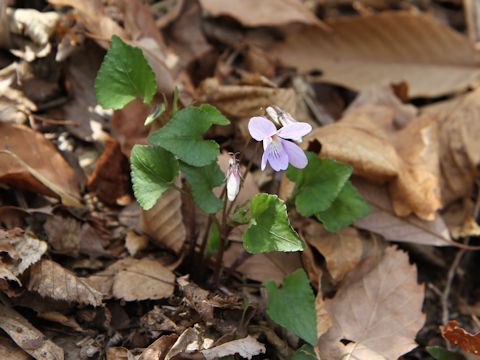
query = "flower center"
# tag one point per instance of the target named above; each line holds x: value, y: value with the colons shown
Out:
x: 276, y: 146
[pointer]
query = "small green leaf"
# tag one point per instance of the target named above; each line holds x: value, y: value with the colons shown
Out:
x: 306, y: 352
x: 213, y: 241
x: 346, y: 208
x: 440, y: 353
x: 156, y: 112
x: 240, y: 215
x: 293, y: 305
x: 318, y: 184
x: 153, y: 172
x: 202, y: 181
x: 123, y: 76
x: 269, y: 228
x: 182, y: 135
x: 216, y: 117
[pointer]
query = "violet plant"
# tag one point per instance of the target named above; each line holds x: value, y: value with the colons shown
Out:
x: 179, y: 149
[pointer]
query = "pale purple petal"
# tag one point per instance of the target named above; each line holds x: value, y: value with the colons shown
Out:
x: 261, y: 128
x: 267, y: 141
x: 276, y: 155
x: 264, y: 160
x: 295, y: 130
x: 296, y: 156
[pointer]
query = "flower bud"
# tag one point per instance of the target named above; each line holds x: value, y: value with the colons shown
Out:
x: 233, y: 179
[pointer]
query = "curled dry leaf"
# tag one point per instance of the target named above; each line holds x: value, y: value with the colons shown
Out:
x: 28, y: 337
x: 29, y: 161
x: 263, y: 13
x: 385, y: 48
x: 379, y: 315
x: 164, y: 222
x: 382, y: 220
x: 343, y: 250
x: 51, y: 280
x: 189, y: 341
x: 246, y: 348
x: 132, y: 279
x: 407, y: 158
x: 159, y: 348
x: 455, y: 335
x: 23, y: 248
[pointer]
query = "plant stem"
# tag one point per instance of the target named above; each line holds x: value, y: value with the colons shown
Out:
x: 223, y: 239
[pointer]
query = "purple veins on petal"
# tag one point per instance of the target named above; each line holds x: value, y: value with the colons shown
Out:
x: 261, y: 128
x: 276, y: 155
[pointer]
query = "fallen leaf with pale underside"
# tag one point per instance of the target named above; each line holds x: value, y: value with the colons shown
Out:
x: 51, y: 280
x: 263, y: 13
x: 29, y: 161
x: 246, y: 348
x: 382, y: 49
x: 28, y: 337
x: 379, y: 315
x: 382, y: 220
x: 159, y: 348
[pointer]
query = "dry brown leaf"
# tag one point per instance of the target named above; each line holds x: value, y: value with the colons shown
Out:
x: 60, y: 318
x: 343, y: 250
x: 118, y: 353
x: 246, y: 348
x: 9, y: 350
x: 135, y: 243
x: 459, y: 147
x: 27, y: 337
x: 143, y: 279
x: 245, y: 101
x: 262, y: 13
x: 324, y: 321
x: 189, y: 341
x: 164, y: 222
x: 260, y: 267
x: 23, y: 248
x: 407, y: 158
x: 382, y: 220
x: 29, y: 161
x: 51, y: 280
x: 385, y: 48
x: 110, y: 179
x: 379, y: 315
x: 159, y: 348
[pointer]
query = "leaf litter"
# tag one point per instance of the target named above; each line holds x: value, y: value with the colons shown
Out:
x: 97, y: 277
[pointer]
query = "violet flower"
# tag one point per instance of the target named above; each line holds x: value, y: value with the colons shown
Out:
x: 278, y: 151
x: 233, y: 178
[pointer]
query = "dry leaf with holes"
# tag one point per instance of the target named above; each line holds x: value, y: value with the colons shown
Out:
x: 164, y: 222
x: 406, y: 158
x: 29, y: 161
x: 382, y: 49
x: 27, y: 337
x: 383, y: 220
x: 263, y: 13
x: 455, y: 335
x: 246, y: 348
x: 377, y: 316
x: 343, y: 250
x: 51, y: 280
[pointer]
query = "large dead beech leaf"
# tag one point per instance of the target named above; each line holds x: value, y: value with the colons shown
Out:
x: 134, y: 279
x: 343, y: 250
x: 164, y: 222
x: 382, y: 220
x: 262, y: 13
x: 381, y: 49
x: 406, y: 158
x: 379, y: 314
x: 29, y: 161
x: 27, y: 337
x: 260, y: 267
x: 246, y: 348
x: 51, y: 280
